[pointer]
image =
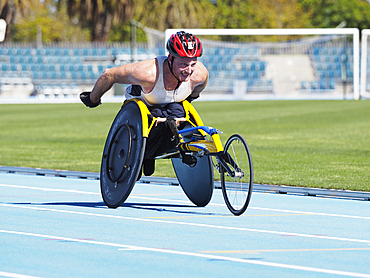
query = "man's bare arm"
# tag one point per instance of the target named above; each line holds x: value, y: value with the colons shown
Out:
x: 200, y: 81
x: 141, y: 73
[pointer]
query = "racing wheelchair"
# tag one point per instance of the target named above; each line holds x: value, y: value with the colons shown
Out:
x: 198, y: 152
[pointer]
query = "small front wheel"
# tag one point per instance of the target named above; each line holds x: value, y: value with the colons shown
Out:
x: 237, y: 189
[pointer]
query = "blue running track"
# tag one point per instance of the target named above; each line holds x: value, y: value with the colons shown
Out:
x: 59, y: 227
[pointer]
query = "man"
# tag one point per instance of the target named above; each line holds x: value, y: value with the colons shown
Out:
x: 162, y: 83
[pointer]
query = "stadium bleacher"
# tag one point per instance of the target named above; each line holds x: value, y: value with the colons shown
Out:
x: 57, y: 71
x: 229, y: 66
x: 332, y: 66
x: 65, y: 71
x: 62, y: 71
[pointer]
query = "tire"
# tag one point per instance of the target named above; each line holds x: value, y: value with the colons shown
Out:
x: 123, y: 156
x: 237, y: 191
x: 196, y: 181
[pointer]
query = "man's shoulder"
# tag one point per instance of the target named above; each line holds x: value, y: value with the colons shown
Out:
x: 144, y: 73
x: 201, y: 73
x: 145, y: 70
x: 152, y: 61
x: 148, y: 62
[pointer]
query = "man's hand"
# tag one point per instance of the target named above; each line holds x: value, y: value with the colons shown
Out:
x: 85, y: 98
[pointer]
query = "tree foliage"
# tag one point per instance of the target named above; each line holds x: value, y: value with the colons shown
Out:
x: 163, y: 14
x: 277, y: 14
x: 11, y: 9
x: 98, y: 15
x: 53, y: 26
x: 261, y: 14
x: 109, y: 20
x: 330, y: 13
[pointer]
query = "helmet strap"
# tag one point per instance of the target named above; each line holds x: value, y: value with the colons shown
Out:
x: 170, y: 65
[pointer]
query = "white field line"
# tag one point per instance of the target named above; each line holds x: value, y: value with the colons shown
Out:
x: 192, y: 254
x: 170, y: 222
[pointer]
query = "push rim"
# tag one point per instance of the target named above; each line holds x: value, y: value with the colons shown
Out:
x: 123, y: 155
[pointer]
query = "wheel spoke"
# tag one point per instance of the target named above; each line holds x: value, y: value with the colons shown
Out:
x: 237, y: 192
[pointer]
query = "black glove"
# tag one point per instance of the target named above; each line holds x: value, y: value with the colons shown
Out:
x: 85, y: 98
x: 191, y: 98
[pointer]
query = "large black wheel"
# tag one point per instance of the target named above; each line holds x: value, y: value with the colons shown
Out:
x: 123, y: 155
x: 196, y: 179
x: 237, y: 190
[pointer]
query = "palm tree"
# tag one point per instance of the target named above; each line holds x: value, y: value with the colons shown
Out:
x: 98, y: 15
x: 163, y: 14
x: 9, y: 9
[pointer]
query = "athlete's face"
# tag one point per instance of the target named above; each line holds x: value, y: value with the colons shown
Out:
x: 183, y: 68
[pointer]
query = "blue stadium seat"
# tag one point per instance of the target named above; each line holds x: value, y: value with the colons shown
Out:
x: 5, y: 67
x: 26, y: 67
x: 50, y: 65
x: 318, y: 86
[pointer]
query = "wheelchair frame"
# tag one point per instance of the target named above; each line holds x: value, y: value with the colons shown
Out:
x: 197, y: 146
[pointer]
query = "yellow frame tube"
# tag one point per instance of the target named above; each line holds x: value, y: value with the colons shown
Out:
x: 144, y: 115
x: 189, y: 109
x: 217, y: 140
x: 198, y: 121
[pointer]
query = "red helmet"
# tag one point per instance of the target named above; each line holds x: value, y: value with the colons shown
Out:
x: 184, y: 44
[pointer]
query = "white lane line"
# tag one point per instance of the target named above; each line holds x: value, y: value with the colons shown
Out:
x: 185, y: 202
x: 38, y: 208
x: 15, y: 275
x: 192, y: 254
x: 49, y: 189
x: 268, y: 209
x: 312, y: 213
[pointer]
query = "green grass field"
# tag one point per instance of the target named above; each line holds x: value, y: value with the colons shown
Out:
x: 322, y: 144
